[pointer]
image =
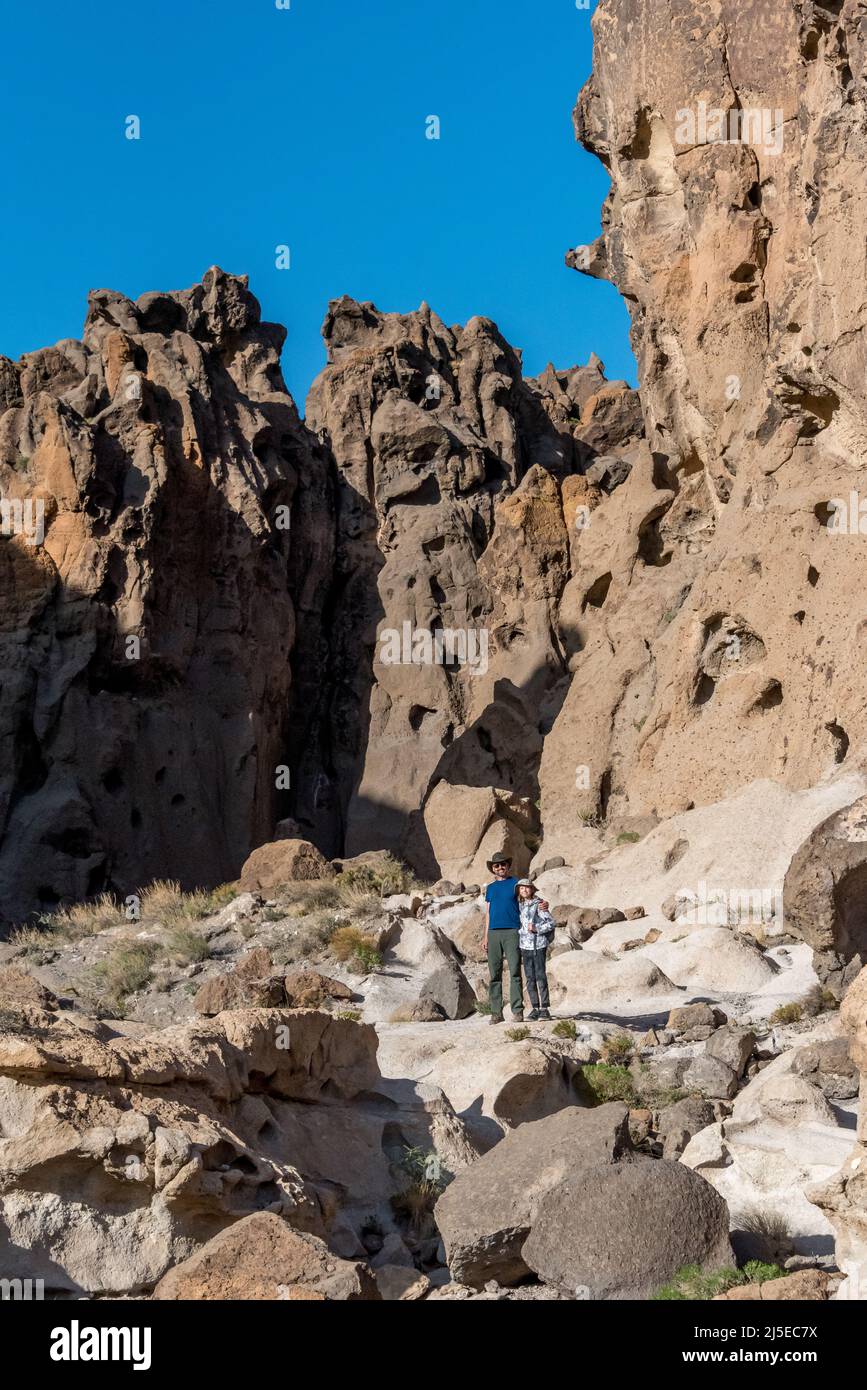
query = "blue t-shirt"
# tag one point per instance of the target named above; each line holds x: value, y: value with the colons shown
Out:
x: 504, y: 912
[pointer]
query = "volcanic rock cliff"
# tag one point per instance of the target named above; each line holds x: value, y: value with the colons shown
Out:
x: 738, y: 258
x: 146, y: 641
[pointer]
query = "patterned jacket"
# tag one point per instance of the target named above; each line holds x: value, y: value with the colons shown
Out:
x: 533, y: 915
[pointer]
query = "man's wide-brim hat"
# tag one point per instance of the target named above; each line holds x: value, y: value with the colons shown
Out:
x: 498, y: 859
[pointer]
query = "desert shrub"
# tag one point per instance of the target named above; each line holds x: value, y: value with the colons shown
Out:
x: 383, y: 878
x: 517, y: 1034
x: 591, y: 819
x: 818, y: 1001
x: 124, y: 971
x: 350, y: 1015
x: 162, y: 899
x: 184, y: 946
x: 354, y: 948
x: 483, y: 1006
x: 605, y: 1081
x: 787, y: 1013
x: 565, y: 1028
x: 206, y: 903
x: 73, y: 923
x: 774, y: 1225
x: 361, y: 901
x: 618, y: 1048
x: 427, y: 1180
x: 628, y: 837
x: 311, y: 895
x: 697, y: 1285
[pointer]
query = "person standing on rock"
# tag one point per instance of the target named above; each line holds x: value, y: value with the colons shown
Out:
x: 502, y: 925
x: 534, y: 937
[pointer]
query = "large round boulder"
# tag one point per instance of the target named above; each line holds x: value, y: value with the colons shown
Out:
x: 486, y: 1214
x: 621, y: 1230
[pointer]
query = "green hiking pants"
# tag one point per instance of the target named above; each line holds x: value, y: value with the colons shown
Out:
x: 503, y: 945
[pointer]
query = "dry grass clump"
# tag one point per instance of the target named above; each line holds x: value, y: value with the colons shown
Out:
x: 71, y: 923
x: 355, y: 948
x: 164, y: 901
x: 125, y: 971
x: 186, y: 946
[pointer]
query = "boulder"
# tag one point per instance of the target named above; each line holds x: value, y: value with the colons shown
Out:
x: 307, y: 989
x: 710, y: 1077
x: 823, y: 891
x: 399, y: 1284
x: 467, y: 825
x: 713, y: 958
x: 487, y: 1212
x: 261, y: 1257
x: 688, y: 1019
x: 283, y: 861
x: 732, y: 1045
x: 250, y: 983
x: 842, y: 1196
x: 583, y: 979
x: 449, y: 990
x: 622, y: 1230
x: 680, y: 1121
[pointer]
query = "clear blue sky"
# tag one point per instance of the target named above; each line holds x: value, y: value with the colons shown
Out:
x: 305, y: 127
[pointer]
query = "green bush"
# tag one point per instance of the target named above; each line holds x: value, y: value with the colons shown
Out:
x: 517, y: 1034
x: 692, y: 1284
x: 565, y: 1028
x: 628, y: 837
x: 606, y: 1081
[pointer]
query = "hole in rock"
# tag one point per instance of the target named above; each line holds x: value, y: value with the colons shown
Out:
x: 841, y: 740
x: 771, y: 696
x: 604, y: 795
x: 812, y: 577
x: 597, y: 593
x: 113, y: 780
x: 704, y: 689
x: 651, y: 547
x: 800, y: 615
x: 417, y: 716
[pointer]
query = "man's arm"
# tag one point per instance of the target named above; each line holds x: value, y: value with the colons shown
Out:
x: 487, y: 922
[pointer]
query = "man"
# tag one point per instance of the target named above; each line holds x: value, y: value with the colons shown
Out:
x: 502, y: 923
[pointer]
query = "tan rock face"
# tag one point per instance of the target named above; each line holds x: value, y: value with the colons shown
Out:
x: 450, y: 520
x: 147, y: 640
x: 120, y: 1157
x: 729, y: 639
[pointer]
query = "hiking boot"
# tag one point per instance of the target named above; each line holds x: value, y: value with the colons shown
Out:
x: 517, y: 1018
x: 543, y: 1013
x: 533, y: 1015
x: 497, y: 1018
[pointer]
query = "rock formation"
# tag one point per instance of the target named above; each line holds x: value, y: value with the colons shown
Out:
x: 147, y: 635
x: 843, y: 1198
x: 736, y: 644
